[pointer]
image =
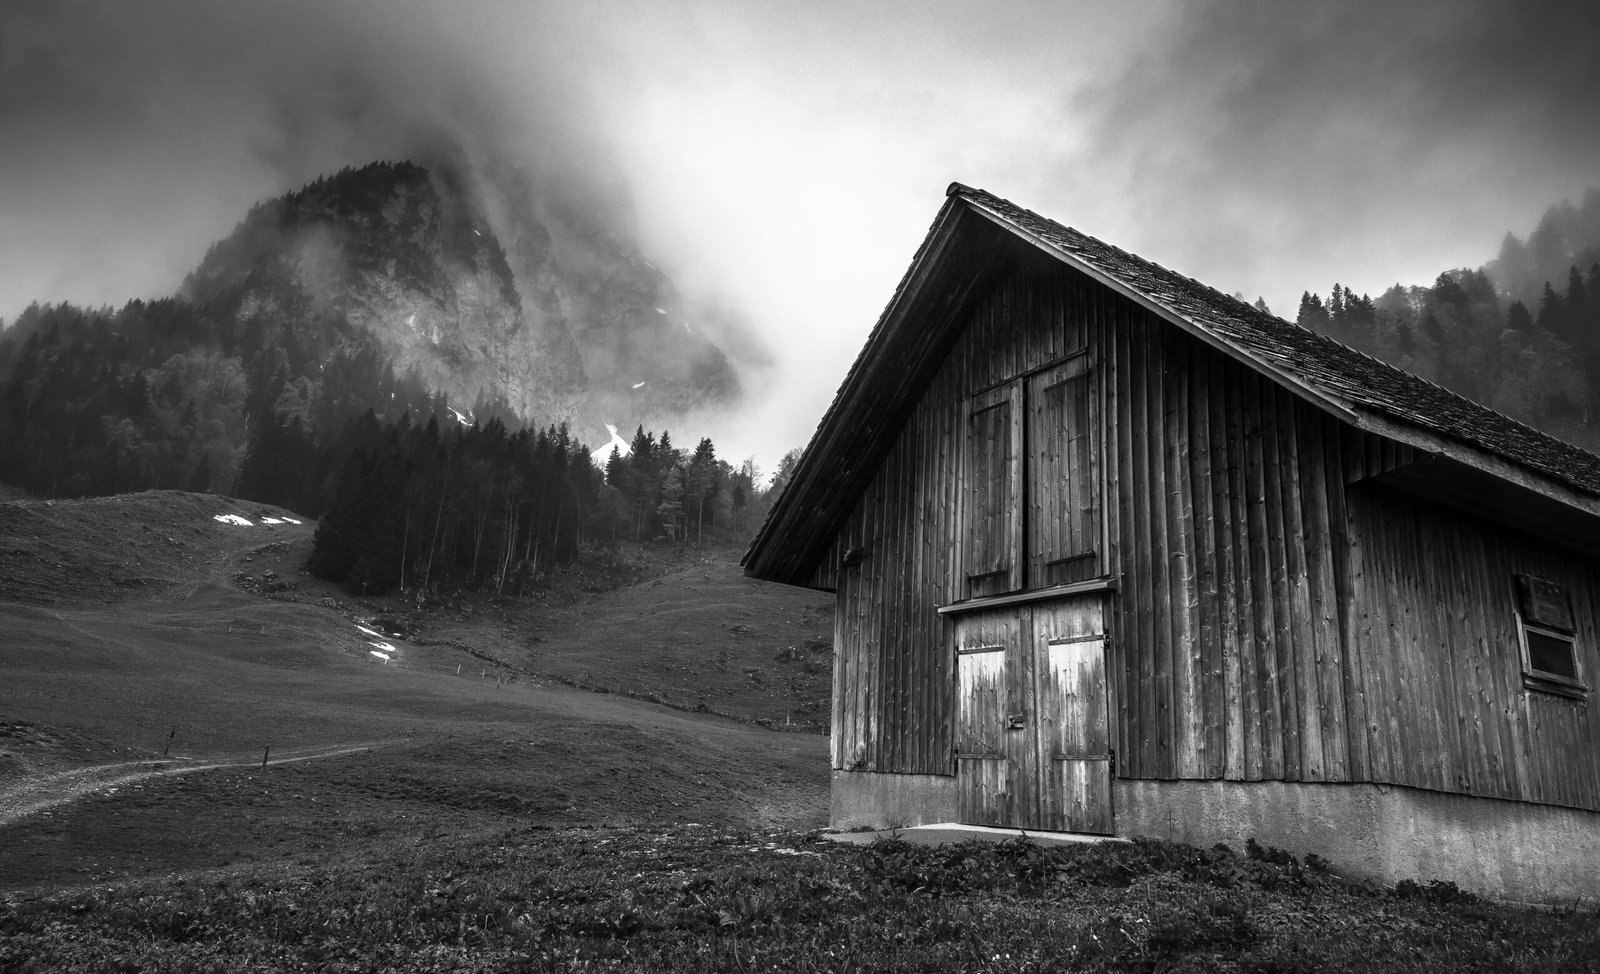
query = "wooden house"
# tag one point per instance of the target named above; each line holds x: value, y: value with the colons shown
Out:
x: 1116, y: 553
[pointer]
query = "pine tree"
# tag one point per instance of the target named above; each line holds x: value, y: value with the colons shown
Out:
x: 1312, y: 314
x: 699, y: 484
x: 1552, y: 313
x: 1518, y: 319
x: 671, y: 510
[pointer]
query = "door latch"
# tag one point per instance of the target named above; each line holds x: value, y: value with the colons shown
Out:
x: 1016, y: 721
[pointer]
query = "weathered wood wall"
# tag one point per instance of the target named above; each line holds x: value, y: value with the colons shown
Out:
x: 1271, y: 621
x: 1275, y: 622
x: 1230, y: 547
x: 894, y: 673
x: 1434, y: 630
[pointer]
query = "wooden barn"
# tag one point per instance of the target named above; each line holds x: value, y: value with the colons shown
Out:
x: 1116, y: 553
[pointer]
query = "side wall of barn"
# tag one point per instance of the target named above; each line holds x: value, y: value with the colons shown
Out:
x: 1276, y: 618
x: 1280, y: 619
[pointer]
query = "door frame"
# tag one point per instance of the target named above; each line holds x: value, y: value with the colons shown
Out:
x: 1038, y: 764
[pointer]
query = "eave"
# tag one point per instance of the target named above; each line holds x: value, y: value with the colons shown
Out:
x: 963, y: 250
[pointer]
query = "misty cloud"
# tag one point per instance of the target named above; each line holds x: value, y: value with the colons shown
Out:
x: 783, y: 160
x: 1376, y: 142
x: 137, y: 133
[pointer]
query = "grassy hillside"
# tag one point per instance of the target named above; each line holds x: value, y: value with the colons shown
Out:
x: 147, y: 639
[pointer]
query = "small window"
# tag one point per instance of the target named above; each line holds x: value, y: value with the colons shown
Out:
x: 1549, y: 638
x: 1551, y: 653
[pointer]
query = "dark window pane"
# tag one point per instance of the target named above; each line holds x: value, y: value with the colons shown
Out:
x: 1551, y: 655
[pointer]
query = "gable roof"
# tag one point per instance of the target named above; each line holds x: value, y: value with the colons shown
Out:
x: 1359, y: 388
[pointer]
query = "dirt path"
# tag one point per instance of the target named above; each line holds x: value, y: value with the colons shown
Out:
x: 45, y: 791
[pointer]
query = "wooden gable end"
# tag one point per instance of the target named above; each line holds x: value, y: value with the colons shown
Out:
x: 957, y: 264
x: 950, y: 514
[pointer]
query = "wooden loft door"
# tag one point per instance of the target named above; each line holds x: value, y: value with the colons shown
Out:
x: 1031, y: 483
x: 993, y: 540
x: 1063, y: 514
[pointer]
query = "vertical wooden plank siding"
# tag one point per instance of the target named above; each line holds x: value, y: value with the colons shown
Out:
x: 1451, y: 675
x: 1209, y: 690
x: 1275, y: 618
x: 1336, y: 633
x: 1188, y: 707
x: 895, y: 673
x: 1243, y: 696
x: 1229, y: 631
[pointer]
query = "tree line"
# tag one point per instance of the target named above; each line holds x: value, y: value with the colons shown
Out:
x: 1520, y: 335
x: 483, y: 507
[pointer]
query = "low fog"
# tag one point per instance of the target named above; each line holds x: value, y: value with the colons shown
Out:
x: 783, y: 160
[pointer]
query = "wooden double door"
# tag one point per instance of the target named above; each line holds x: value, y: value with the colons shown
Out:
x: 1033, y: 717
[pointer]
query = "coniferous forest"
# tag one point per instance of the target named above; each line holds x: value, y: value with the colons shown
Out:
x: 1520, y: 334
x: 486, y: 508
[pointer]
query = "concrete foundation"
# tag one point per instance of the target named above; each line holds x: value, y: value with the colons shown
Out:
x: 1504, y: 849
x: 872, y: 800
x: 949, y: 833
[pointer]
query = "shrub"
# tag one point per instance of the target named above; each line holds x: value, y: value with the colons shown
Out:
x: 1435, y: 891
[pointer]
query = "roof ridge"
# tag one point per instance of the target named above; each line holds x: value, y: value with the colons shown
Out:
x: 1277, y: 337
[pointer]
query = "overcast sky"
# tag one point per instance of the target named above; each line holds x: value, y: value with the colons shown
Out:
x: 787, y: 158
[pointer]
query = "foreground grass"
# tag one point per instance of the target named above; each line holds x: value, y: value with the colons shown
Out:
x: 698, y: 899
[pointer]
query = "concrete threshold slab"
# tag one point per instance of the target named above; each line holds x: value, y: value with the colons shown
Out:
x: 950, y: 833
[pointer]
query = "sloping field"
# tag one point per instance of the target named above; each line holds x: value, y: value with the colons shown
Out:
x: 702, y: 637
x: 133, y: 547
x: 133, y: 656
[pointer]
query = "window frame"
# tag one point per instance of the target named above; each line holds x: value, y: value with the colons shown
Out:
x: 1547, y: 681
x: 1544, y: 608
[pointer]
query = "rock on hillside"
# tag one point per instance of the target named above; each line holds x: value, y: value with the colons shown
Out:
x: 565, y: 321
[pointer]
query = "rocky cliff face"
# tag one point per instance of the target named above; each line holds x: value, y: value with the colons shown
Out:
x: 544, y: 310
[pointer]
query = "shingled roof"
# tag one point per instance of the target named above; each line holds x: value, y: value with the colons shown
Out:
x: 1329, y: 372
x: 1354, y: 378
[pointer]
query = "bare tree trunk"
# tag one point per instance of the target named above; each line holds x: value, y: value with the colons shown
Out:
x: 438, y: 517
x: 405, y: 541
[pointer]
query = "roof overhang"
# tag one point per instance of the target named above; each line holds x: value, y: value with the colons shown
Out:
x: 961, y: 253
x: 964, y: 248
x: 1480, y: 483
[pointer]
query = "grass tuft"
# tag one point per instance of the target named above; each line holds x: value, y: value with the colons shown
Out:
x: 705, y: 899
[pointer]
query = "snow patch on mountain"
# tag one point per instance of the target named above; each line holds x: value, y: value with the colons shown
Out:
x: 621, y: 445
